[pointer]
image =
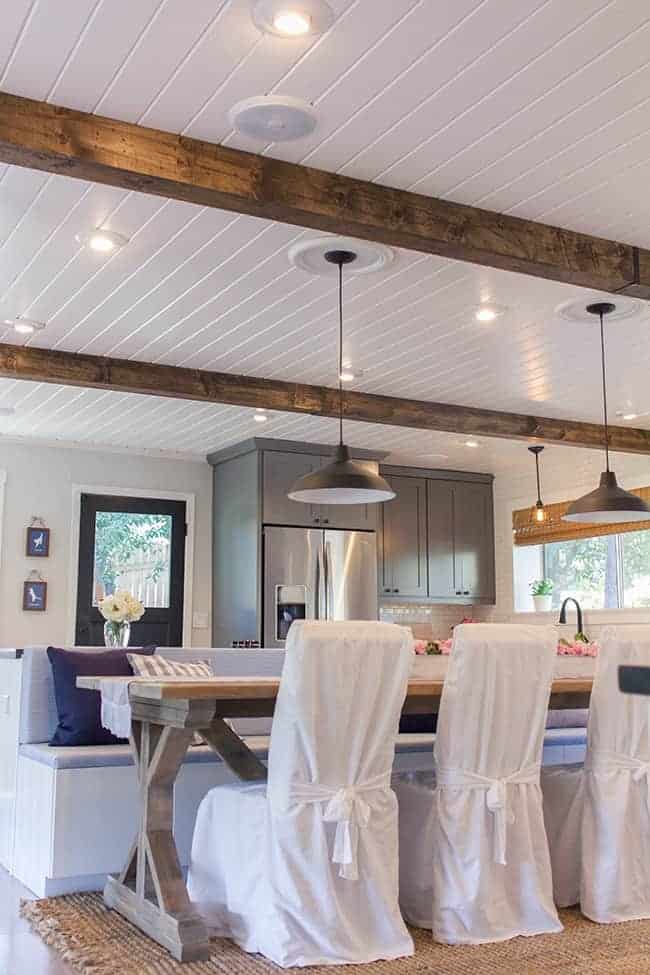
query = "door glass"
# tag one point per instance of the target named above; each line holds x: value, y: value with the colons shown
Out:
x: 133, y: 552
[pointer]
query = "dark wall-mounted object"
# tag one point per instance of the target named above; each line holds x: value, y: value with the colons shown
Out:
x: 35, y: 596
x: 37, y: 543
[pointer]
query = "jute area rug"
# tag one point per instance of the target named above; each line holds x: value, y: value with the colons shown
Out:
x: 94, y: 941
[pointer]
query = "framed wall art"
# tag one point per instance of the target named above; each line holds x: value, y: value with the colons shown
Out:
x: 34, y: 594
x: 38, y: 540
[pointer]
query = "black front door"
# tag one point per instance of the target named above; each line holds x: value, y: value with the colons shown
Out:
x: 137, y: 544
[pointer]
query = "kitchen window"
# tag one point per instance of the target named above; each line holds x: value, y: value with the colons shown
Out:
x: 601, y: 572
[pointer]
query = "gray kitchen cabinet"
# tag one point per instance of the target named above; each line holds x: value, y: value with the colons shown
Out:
x: 442, y: 569
x: 461, y: 540
x: 281, y: 470
x: 350, y: 516
x: 403, y: 546
x: 474, y: 540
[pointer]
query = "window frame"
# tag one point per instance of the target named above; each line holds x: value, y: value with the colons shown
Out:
x: 139, y: 492
x: 620, y: 577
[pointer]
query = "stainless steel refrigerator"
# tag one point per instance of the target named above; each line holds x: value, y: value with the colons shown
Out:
x: 317, y: 574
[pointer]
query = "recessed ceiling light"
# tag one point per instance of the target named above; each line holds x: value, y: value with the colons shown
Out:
x: 260, y: 415
x: 348, y: 374
x: 488, y: 313
x: 631, y: 416
x: 471, y: 443
x: 273, y: 118
x: 292, y: 18
x: 292, y: 23
x: 25, y: 326
x: 103, y: 241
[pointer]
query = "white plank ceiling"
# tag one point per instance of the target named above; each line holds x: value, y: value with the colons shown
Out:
x: 534, y: 107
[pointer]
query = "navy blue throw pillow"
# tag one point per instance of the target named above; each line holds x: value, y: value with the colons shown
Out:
x: 79, y: 711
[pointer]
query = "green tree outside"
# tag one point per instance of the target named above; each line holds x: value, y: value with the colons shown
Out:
x: 121, y: 535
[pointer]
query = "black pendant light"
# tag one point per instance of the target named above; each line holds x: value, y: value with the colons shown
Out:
x: 344, y: 481
x: 609, y: 503
x: 540, y: 512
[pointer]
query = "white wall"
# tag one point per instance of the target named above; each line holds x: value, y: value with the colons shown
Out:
x: 40, y: 482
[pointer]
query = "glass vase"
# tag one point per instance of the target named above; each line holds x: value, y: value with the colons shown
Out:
x: 116, y: 635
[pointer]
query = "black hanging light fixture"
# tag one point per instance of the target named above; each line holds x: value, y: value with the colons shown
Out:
x: 540, y: 511
x: 609, y: 503
x: 344, y: 481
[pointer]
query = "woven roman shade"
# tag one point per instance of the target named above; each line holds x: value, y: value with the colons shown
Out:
x: 528, y: 531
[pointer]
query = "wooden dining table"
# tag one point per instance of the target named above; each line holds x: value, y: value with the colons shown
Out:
x: 150, y: 890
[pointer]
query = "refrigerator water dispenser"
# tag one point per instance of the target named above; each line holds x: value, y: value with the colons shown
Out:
x: 290, y: 605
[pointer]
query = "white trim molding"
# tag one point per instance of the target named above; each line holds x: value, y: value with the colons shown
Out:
x: 190, y: 504
x: 3, y: 484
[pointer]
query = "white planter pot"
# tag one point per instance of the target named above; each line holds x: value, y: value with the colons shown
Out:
x: 430, y: 666
x: 542, y: 604
x: 575, y: 666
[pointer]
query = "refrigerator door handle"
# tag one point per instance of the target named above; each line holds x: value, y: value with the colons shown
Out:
x: 329, y: 583
x: 317, y: 584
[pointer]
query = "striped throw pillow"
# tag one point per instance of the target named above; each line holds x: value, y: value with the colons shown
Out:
x: 158, y: 666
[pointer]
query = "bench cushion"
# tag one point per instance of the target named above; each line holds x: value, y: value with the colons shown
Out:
x: 106, y: 756
x: 112, y: 756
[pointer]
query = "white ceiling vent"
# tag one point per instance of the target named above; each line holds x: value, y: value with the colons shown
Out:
x: 309, y: 255
x: 273, y: 118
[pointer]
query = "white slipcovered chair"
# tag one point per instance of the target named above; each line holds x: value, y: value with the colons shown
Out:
x: 598, y: 816
x: 474, y: 861
x: 304, y: 870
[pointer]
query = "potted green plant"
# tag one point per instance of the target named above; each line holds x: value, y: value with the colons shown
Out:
x: 542, y: 590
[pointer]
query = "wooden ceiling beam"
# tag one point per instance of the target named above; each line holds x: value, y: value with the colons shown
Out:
x: 151, y: 379
x: 59, y: 140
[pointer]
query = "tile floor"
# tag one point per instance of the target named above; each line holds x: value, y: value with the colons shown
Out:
x: 21, y: 951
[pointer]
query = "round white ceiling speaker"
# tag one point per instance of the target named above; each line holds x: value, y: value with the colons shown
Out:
x: 625, y: 308
x: 309, y: 255
x: 292, y: 18
x: 273, y: 118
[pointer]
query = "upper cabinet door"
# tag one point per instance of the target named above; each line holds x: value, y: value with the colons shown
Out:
x: 474, y: 540
x: 403, y: 547
x: 357, y: 517
x: 444, y: 579
x: 281, y: 471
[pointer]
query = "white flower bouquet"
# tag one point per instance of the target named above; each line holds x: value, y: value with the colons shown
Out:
x: 119, y: 609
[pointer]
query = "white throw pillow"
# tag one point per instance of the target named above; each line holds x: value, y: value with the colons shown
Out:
x: 158, y: 666
x: 161, y: 667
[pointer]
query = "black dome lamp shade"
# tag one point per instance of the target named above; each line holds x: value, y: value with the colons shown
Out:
x: 344, y: 481
x: 609, y: 503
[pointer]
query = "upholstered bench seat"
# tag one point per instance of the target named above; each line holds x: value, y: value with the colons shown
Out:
x: 112, y: 756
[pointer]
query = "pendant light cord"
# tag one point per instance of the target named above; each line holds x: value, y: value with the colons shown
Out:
x: 340, y: 353
x: 539, y: 493
x: 602, y: 359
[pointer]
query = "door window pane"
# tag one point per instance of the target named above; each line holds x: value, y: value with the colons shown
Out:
x: 133, y: 552
x: 635, y: 548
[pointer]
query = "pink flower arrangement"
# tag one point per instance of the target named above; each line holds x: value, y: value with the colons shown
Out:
x: 579, y: 648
